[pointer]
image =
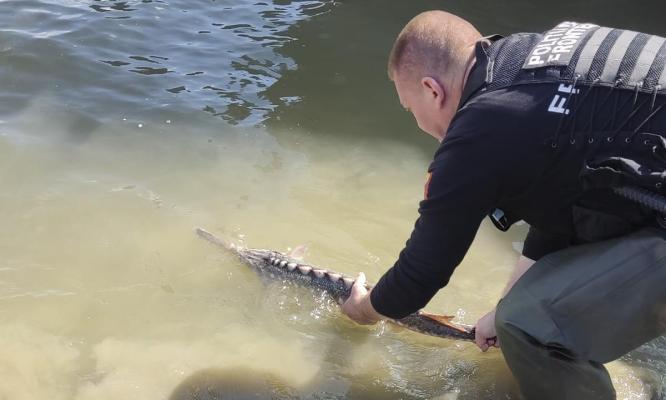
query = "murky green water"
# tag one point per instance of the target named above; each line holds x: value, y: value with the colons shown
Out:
x: 125, y: 125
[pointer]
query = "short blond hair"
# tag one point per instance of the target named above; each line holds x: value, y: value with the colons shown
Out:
x: 431, y: 44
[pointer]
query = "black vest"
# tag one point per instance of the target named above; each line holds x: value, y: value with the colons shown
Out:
x: 578, y: 57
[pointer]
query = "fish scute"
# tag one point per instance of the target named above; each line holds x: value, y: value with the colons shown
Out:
x: 304, y: 269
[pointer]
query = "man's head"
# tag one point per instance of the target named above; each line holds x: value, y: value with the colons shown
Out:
x: 429, y: 64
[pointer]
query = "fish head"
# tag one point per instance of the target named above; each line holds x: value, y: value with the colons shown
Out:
x: 258, y: 258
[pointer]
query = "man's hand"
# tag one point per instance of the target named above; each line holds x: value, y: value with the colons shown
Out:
x: 485, y: 332
x: 358, y: 306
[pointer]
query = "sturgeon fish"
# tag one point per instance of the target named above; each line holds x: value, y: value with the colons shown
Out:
x: 337, y: 285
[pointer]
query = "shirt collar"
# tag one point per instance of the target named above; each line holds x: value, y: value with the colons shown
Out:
x: 479, y: 73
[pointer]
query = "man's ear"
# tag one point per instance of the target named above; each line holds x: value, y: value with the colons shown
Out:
x: 434, y: 90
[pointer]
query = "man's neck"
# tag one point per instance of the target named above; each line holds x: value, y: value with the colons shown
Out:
x: 471, y: 60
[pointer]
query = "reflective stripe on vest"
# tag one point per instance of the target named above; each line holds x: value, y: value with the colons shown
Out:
x: 617, y: 56
x: 589, y: 51
x: 656, y: 69
x: 645, y: 60
x: 662, y: 78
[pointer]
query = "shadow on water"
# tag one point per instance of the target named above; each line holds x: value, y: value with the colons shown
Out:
x: 355, y: 363
x: 232, y: 384
x: 243, y: 383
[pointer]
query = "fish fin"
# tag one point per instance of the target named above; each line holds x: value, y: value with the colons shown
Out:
x: 298, y: 252
x: 442, y: 319
x: 446, y: 320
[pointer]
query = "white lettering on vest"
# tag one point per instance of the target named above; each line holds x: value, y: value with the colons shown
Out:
x: 561, y: 40
x: 557, y: 104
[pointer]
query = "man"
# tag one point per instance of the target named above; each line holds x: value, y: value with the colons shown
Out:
x: 543, y: 128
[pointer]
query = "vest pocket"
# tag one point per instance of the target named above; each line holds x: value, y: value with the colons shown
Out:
x: 593, y: 225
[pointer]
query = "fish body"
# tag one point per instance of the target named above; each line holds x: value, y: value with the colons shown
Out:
x: 337, y: 285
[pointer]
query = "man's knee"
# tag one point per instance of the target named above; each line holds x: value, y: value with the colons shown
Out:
x: 509, y: 321
x: 524, y: 335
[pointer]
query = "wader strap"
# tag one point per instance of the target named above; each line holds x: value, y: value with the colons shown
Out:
x: 645, y: 198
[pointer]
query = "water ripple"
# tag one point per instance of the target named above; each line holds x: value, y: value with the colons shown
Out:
x: 130, y: 57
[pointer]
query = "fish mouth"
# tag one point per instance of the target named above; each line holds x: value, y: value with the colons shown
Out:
x: 204, y: 234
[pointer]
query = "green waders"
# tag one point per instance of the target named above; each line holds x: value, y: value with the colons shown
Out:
x: 579, y: 308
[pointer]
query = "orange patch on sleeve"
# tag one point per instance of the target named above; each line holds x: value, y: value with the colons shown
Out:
x: 427, y: 186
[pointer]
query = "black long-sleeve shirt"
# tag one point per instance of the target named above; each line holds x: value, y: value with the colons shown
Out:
x: 505, y: 149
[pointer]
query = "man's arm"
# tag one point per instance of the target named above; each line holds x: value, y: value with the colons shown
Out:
x: 537, y: 244
x: 523, y: 264
x: 358, y: 306
x: 485, y: 327
x: 458, y: 197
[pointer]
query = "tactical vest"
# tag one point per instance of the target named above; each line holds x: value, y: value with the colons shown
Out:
x: 579, y: 55
x: 582, y: 53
